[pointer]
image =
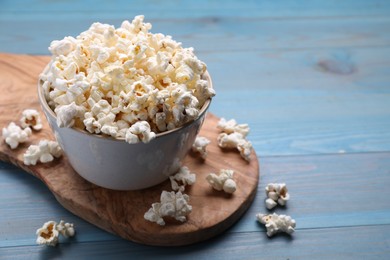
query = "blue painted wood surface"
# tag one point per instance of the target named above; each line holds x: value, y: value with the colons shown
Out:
x: 312, y: 79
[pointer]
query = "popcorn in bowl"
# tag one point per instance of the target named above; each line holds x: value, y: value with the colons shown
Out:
x: 124, y: 103
x: 108, y: 80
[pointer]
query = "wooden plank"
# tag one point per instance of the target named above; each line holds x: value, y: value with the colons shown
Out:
x: 370, y: 242
x: 326, y: 191
x: 307, y: 102
x: 30, y: 206
x: 188, y: 9
x: 24, y: 34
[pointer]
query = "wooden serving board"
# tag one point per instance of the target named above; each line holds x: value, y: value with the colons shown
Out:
x: 121, y: 212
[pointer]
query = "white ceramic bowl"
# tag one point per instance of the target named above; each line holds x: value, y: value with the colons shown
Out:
x: 116, y: 164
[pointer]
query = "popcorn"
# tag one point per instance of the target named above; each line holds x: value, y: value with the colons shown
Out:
x: 48, y: 234
x: 106, y: 75
x: 99, y: 117
x: 172, y: 204
x: 184, y: 176
x: 277, y: 223
x: 31, y: 118
x: 66, y: 114
x: 44, y: 152
x: 224, y: 181
x: 200, y: 146
x: 236, y: 140
x: 14, y: 135
x: 233, y: 136
x: 231, y: 126
x: 277, y: 193
x: 140, y: 131
x: 66, y: 229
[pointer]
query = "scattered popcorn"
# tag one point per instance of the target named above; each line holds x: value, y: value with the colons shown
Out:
x: 238, y: 141
x: 48, y: 234
x: 200, y: 146
x: 184, y: 176
x: 106, y: 80
x: 140, y: 131
x: 231, y: 126
x: 66, y: 229
x: 31, y: 118
x: 172, y: 204
x: 14, y: 135
x: 277, y: 193
x: 277, y: 223
x: 44, y: 152
x: 223, y: 181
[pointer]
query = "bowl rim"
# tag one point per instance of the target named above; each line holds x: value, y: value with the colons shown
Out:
x: 50, y: 112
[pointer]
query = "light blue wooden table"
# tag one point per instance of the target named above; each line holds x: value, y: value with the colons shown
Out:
x: 311, y: 78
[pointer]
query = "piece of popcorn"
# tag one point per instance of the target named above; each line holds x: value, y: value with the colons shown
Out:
x: 137, y: 72
x: 203, y: 91
x: 65, y: 229
x: 278, y: 193
x: 277, y: 223
x: 236, y: 140
x: 174, y: 205
x: 183, y: 176
x: 231, y: 126
x: 101, y: 115
x: 224, y: 181
x: 44, y: 152
x: 185, y: 106
x: 63, y: 47
x: 140, y: 131
x: 270, y: 203
x: 14, y: 135
x: 245, y: 149
x: 48, y: 234
x: 31, y: 118
x: 66, y: 114
x: 200, y: 145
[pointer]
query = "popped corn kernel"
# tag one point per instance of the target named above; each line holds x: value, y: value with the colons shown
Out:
x: 277, y: 223
x: 231, y: 126
x: 63, y: 47
x: 131, y: 74
x: 236, y: 140
x: 183, y: 176
x: 44, y: 152
x: 66, y: 114
x: 174, y: 205
x: 48, y: 234
x: 277, y: 193
x: 31, y: 118
x: 140, y: 131
x: 224, y: 181
x: 14, y: 135
x: 200, y: 145
x: 65, y: 229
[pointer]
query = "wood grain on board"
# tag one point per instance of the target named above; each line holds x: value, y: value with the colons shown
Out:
x: 121, y: 212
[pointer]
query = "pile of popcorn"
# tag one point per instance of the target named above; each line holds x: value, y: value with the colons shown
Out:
x: 125, y: 82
